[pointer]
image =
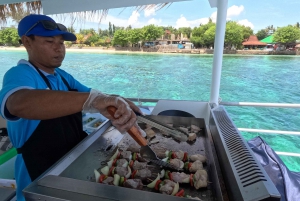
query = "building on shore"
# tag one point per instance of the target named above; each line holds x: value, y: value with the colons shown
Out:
x: 253, y: 43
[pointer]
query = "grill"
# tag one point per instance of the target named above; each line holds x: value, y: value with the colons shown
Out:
x: 234, y: 173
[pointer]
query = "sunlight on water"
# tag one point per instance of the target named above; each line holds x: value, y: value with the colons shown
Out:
x: 188, y: 77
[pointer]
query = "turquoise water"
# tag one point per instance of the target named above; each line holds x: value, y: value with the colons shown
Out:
x: 188, y: 77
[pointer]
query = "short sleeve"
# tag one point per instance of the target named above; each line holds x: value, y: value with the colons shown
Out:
x: 17, y: 78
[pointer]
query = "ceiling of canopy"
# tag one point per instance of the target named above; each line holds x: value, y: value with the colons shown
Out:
x: 67, y: 6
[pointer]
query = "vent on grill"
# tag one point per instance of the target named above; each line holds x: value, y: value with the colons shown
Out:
x: 246, y: 166
x: 246, y: 179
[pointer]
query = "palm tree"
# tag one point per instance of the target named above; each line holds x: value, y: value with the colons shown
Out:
x: 17, y: 10
x: 16, y: 17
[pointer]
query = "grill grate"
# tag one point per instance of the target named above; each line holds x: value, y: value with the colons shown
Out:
x: 238, y: 162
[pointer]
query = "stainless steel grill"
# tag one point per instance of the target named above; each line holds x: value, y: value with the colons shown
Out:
x: 233, y: 171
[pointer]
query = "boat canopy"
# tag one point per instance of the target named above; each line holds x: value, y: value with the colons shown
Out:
x: 68, y: 6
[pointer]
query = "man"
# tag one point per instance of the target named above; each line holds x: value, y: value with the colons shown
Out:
x: 43, y: 104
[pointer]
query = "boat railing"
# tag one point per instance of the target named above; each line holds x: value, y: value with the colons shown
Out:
x: 272, y: 105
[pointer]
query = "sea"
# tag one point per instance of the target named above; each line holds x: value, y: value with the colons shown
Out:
x: 264, y: 78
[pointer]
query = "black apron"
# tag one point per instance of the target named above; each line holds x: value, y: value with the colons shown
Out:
x: 52, y: 139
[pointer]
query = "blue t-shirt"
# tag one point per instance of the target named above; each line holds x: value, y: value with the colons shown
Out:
x: 25, y: 76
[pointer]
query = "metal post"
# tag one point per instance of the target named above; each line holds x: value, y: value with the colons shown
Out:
x: 218, y: 50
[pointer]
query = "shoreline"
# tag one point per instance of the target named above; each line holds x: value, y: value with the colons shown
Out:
x: 207, y: 53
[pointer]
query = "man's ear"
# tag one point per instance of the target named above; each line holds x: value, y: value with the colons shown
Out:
x: 26, y: 41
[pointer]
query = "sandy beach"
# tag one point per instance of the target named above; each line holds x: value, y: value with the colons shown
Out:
x: 150, y: 51
x: 86, y: 50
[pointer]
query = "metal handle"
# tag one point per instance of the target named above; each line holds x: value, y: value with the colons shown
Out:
x: 133, y: 131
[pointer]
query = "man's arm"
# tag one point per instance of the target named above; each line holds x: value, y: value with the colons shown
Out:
x: 45, y: 104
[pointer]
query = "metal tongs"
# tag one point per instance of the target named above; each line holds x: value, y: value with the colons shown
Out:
x: 145, y: 151
x: 174, y: 132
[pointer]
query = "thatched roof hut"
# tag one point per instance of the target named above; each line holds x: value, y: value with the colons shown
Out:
x: 77, y: 8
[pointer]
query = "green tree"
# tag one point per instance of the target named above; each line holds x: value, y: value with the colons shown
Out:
x: 151, y: 32
x: 110, y: 30
x: 288, y: 34
x: 134, y: 36
x: 80, y: 38
x: 120, y: 38
x: 270, y: 30
x: 247, y: 31
x: 185, y: 31
x: 209, y: 36
x: 87, y: 31
x: 198, y: 34
x: 129, y: 27
x: 103, y: 33
x: 114, y: 29
x: 92, y: 40
x: 233, y: 34
x: 71, y: 29
x: 9, y: 36
x: 261, y: 34
x: 172, y: 30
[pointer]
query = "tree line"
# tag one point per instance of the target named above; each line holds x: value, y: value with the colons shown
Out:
x: 201, y: 36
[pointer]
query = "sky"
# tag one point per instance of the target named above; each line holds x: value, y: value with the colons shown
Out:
x: 255, y: 14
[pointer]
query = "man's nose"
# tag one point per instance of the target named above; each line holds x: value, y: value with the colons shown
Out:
x: 58, y: 46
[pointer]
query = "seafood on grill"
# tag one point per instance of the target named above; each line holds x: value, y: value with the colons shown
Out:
x: 133, y: 183
x: 163, y: 153
x: 142, y: 174
x: 191, y: 131
x: 192, y: 136
x: 121, y: 171
x: 165, y: 187
x: 118, y: 162
x: 126, y: 155
x: 170, y: 187
x: 198, y: 180
x: 175, y: 162
x: 193, y: 167
x: 198, y: 157
x: 126, y: 168
x: 136, y: 165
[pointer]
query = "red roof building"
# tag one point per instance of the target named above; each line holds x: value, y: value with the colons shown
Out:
x: 253, y: 41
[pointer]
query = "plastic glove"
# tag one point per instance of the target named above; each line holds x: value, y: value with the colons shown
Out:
x: 124, y: 118
x: 141, y: 131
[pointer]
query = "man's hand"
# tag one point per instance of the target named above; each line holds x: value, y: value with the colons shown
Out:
x: 123, y: 119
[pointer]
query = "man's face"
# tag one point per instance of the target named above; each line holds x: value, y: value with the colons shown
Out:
x: 47, y: 51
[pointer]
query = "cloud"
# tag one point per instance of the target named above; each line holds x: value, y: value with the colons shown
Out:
x: 231, y: 12
x: 133, y: 19
x: 109, y: 18
x: 183, y: 22
x: 246, y: 23
x: 149, y: 12
x: 234, y: 10
x: 154, y: 21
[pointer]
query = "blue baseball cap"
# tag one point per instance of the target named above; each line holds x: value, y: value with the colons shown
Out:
x: 30, y: 25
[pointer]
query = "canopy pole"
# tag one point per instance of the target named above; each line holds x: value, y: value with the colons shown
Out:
x: 218, y: 50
